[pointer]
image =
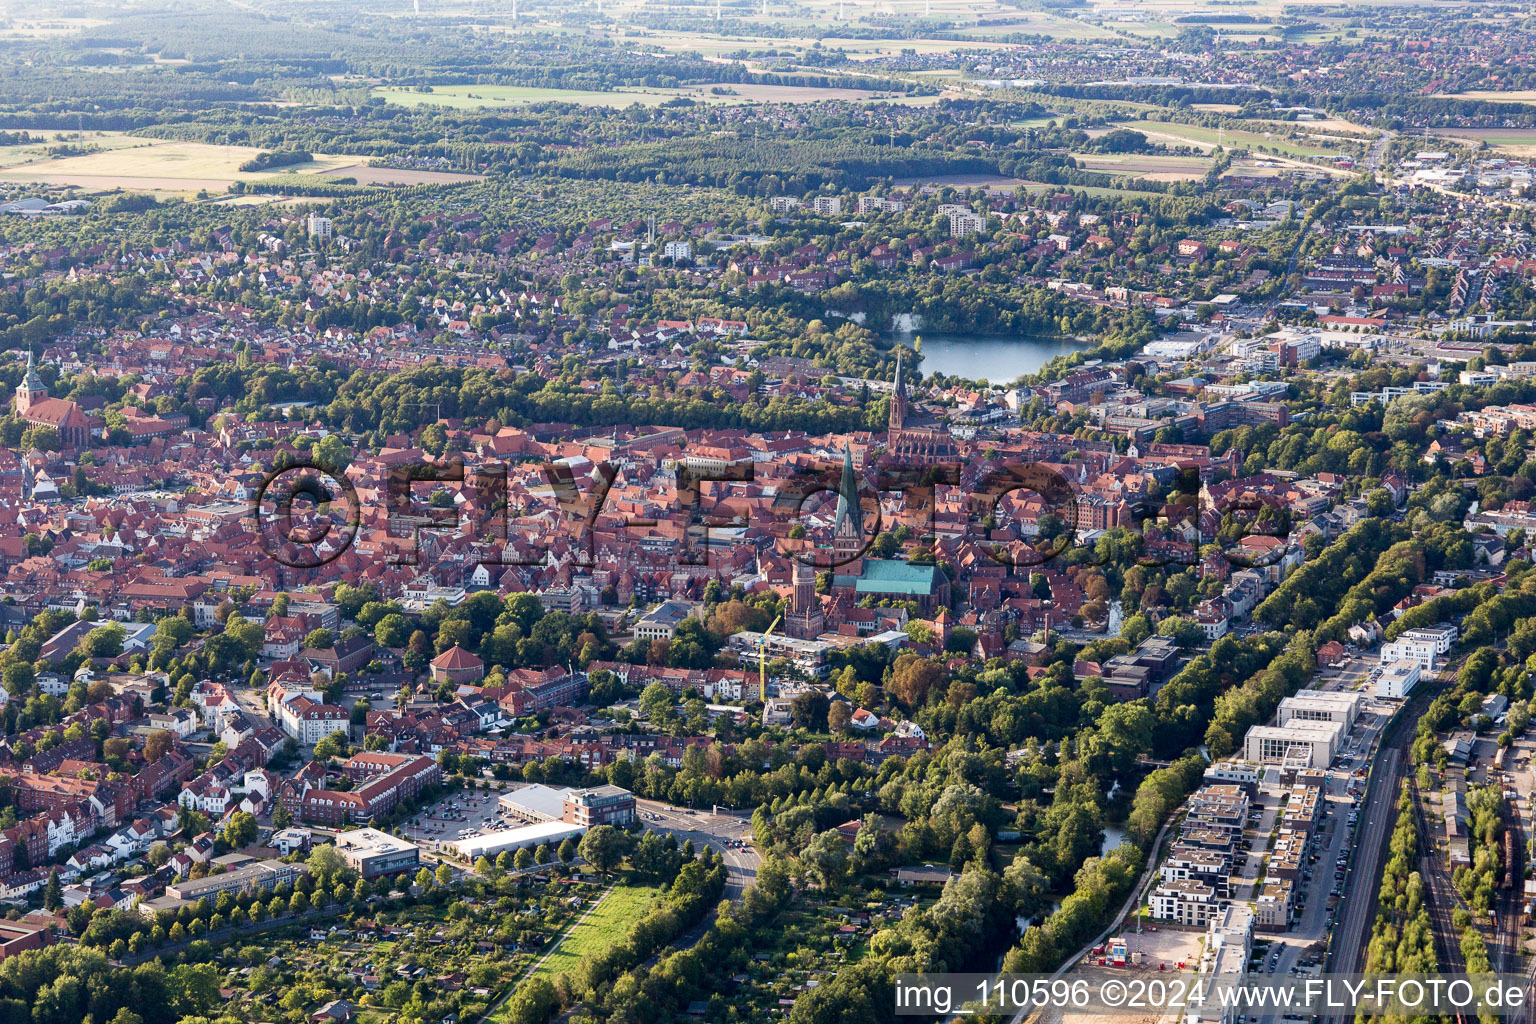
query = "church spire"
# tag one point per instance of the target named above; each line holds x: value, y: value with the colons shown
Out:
x: 848, y: 500
x: 898, y: 417
x: 32, y: 389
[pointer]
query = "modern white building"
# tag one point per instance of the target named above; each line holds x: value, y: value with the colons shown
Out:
x: 1224, y: 961
x: 1185, y: 901
x: 1425, y: 646
x: 1398, y: 679
x: 879, y: 204
x: 1322, y: 706
x: 372, y: 853
x: 550, y: 833
x: 1307, y: 744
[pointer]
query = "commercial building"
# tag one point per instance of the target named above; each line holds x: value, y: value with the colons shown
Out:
x: 535, y: 804
x: 548, y: 833
x: 1398, y: 679
x: 372, y: 853
x: 1322, y: 706
x: 1425, y: 646
x: 1303, y: 744
x: 599, y: 805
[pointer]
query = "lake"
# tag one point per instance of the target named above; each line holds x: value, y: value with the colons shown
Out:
x: 998, y: 359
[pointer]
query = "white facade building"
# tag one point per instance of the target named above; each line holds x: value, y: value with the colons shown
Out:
x: 1398, y: 679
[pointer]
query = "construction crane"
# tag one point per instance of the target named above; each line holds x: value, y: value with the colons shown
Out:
x: 762, y: 661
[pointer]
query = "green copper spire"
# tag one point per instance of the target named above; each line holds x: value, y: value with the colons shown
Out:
x: 848, y: 499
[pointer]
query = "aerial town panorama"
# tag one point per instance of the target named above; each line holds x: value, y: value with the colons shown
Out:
x: 660, y: 511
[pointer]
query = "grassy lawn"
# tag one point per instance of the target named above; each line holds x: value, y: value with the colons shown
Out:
x: 605, y: 925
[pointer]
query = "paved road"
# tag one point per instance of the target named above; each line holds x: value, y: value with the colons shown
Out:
x: 1378, y: 150
x: 1358, y: 904
x: 706, y: 829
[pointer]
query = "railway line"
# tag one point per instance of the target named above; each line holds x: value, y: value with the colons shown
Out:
x: 1440, y: 897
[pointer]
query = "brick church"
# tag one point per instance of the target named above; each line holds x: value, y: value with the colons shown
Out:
x: 36, y: 409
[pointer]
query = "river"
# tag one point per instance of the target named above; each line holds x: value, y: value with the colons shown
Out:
x: 997, y: 359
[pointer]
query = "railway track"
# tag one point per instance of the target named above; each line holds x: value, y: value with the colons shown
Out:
x: 1440, y: 897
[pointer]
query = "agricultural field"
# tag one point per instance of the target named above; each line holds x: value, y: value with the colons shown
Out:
x: 156, y: 165
x: 368, y: 174
x: 1177, y: 134
x: 1514, y: 141
x: 1489, y: 96
x: 1149, y: 166
x: 11, y: 156
x: 43, y: 28
x: 1000, y: 183
x: 605, y: 924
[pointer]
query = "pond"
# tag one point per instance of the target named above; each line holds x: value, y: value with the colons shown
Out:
x: 998, y: 359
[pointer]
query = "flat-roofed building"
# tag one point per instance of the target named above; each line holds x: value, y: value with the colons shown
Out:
x: 1237, y: 773
x: 1322, y: 706
x: 1301, y: 744
x: 1219, y: 840
x: 1272, y: 910
x: 1228, y: 944
x: 263, y: 874
x: 547, y: 833
x: 1425, y: 645
x: 1185, y: 901
x: 533, y: 804
x: 809, y: 656
x: 1222, y: 806
x: 1398, y: 679
x: 372, y: 853
x: 599, y: 805
x: 1288, y: 857
x: 1210, y: 867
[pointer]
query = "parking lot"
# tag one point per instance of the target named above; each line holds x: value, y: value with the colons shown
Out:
x: 458, y: 816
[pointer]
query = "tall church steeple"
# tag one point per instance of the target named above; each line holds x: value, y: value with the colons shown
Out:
x: 899, y: 396
x: 32, y: 389
x: 848, y: 526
